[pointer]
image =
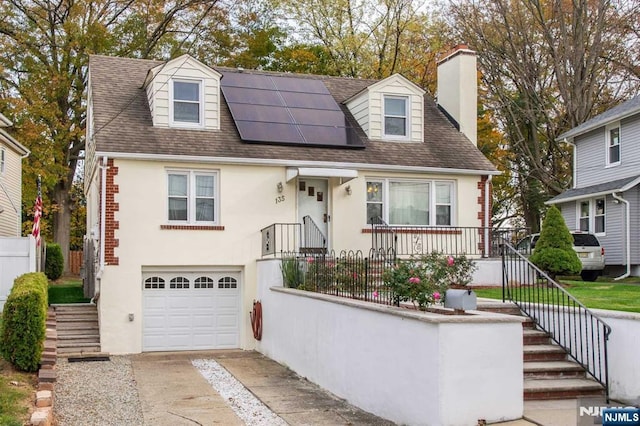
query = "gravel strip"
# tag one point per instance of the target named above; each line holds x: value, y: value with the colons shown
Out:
x: 246, y: 406
x: 97, y: 392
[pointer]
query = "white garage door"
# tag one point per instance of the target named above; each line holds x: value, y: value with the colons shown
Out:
x: 190, y: 310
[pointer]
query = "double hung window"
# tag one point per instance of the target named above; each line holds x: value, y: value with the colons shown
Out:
x: 395, y: 116
x: 186, y: 102
x: 192, y: 197
x: 591, y: 215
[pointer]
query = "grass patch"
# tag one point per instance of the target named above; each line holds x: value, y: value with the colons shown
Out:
x: 601, y: 294
x: 16, y: 394
x: 66, y: 291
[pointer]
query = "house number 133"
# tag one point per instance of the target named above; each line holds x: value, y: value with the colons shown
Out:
x: 279, y: 199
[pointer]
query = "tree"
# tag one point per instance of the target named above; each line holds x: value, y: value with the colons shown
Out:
x: 43, y: 76
x: 554, y: 251
x: 547, y: 66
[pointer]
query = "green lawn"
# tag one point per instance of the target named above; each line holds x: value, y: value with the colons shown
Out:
x: 66, y: 291
x: 601, y: 294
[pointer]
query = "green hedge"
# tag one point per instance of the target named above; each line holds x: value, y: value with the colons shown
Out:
x: 24, y: 321
x: 54, y: 265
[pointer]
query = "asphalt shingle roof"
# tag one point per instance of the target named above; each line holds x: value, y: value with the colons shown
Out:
x: 625, y: 109
x: 123, y: 124
x: 607, y: 187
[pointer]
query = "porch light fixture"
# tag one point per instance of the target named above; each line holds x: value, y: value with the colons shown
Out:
x: 348, y: 189
x: 280, y: 187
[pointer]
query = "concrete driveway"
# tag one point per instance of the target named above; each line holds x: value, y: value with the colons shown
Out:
x: 172, y: 391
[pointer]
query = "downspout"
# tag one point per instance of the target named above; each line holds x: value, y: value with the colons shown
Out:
x: 487, y: 214
x: 627, y: 236
x: 103, y: 210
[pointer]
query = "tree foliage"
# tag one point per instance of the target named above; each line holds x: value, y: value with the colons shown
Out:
x: 554, y: 251
x: 547, y: 66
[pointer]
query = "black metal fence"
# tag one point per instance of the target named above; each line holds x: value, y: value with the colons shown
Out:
x: 569, y: 323
x: 349, y: 274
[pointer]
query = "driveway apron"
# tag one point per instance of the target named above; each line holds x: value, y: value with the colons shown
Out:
x: 172, y: 392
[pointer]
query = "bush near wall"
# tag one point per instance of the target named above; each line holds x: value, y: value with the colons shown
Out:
x: 54, y: 265
x: 24, y: 321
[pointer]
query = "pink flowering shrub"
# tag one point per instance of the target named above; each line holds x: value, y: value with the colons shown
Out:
x: 425, y: 280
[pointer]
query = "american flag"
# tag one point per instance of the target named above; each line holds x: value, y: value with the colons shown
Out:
x: 37, y: 214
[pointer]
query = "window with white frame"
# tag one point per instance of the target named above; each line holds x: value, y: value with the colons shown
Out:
x: 613, y: 144
x: 192, y: 197
x: 410, y: 202
x: 592, y: 214
x: 186, y: 102
x: 395, y: 116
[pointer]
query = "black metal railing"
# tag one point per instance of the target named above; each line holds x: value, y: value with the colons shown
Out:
x: 281, y: 238
x: 452, y: 240
x: 570, y: 324
x: 348, y: 274
x: 314, y: 240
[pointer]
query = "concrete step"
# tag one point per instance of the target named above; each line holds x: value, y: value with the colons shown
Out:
x: 532, y: 336
x: 72, y: 331
x: 79, y: 348
x: 84, y: 354
x: 80, y: 338
x: 77, y: 317
x: 553, y: 369
x: 71, y: 344
x: 561, y: 388
x: 506, y: 308
x: 544, y: 353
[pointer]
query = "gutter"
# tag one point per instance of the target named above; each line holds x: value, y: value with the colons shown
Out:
x: 627, y: 236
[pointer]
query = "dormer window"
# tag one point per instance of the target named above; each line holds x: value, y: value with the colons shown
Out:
x: 395, y: 116
x: 186, y: 103
x: 613, y: 145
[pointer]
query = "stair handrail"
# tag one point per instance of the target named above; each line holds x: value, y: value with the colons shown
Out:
x: 573, y: 326
x: 383, y: 236
x: 313, y: 236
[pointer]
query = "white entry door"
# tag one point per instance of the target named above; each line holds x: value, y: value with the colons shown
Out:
x: 190, y: 310
x: 312, y: 201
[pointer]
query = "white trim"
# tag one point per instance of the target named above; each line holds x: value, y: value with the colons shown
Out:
x: 294, y: 163
x: 607, y: 143
x: 187, y: 124
x: 591, y: 217
x: 407, y: 117
x: 17, y: 146
x: 595, y: 194
x: 191, y: 175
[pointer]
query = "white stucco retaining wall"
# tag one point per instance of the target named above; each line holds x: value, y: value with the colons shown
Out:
x: 623, y: 354
x: 410, y: 367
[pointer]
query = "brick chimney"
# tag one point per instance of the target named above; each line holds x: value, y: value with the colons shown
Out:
x: 458, y: 89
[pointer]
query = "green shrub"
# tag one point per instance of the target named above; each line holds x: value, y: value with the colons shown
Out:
x: 292, y: 275
x: 24, y: 321
x: 54, y: 265
x: 554, y: 251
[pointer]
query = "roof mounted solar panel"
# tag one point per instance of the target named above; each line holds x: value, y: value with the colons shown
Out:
x: 286, y: 110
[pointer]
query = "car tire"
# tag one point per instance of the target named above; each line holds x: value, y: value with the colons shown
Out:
x: 589, y: 275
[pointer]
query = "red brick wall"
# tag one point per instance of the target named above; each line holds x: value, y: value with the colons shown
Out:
x: 111, y: 224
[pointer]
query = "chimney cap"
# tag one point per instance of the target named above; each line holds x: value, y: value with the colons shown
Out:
x: 460, y: 48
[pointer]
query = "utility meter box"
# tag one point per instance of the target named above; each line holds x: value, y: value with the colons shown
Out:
x: 461, y: 299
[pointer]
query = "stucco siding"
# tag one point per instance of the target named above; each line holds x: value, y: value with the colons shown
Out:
x: 591, y: 154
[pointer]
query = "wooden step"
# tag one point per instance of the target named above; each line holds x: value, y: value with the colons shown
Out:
x: 532, y: 336
x: 553, y: 369
x: 79, y: 338
x: 74, y: 331
x: 79, y: 348
x: 565, y: 388
x: 544, y: 353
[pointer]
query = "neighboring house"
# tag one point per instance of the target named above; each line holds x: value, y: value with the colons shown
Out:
x: 186, y: 164
x: 11, y: 155
x: 17, y: 254
x: 605, y: 198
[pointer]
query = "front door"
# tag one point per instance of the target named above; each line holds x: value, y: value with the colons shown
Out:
x: 312, y: 202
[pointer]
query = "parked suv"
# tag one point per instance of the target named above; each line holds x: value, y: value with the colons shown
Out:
x: 589, y: 250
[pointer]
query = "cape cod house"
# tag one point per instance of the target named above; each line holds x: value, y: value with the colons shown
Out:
x: 193, y: 173
x: 605, y: 198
